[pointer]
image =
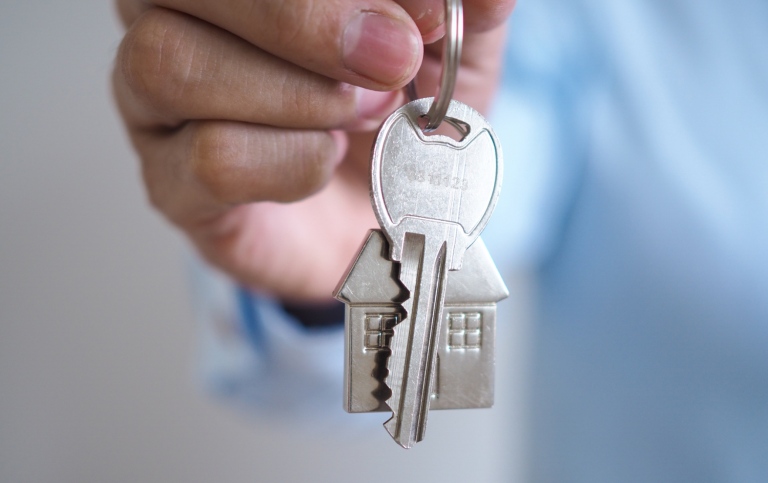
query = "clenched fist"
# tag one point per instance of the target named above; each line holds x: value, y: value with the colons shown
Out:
x: 254, y: 119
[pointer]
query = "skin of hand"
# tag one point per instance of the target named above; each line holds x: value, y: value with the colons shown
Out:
x: 254, y: 119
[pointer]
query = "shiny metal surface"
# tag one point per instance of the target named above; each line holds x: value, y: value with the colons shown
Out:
x: 432, y: 183
x: 414, y: 341
x: 432, y: 196
x: 452, y: 43
x: 464, y: 374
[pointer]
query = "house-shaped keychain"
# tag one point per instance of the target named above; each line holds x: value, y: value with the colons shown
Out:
x: 372, y: 293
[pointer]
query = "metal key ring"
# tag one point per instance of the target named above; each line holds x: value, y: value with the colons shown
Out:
x: 454, y: 36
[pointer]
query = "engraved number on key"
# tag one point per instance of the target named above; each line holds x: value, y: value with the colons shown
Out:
x: 432, y: 197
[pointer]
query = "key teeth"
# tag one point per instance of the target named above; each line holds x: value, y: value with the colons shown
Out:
x: 390, y: 374
x: 405, y: 305
x: 399, y: 331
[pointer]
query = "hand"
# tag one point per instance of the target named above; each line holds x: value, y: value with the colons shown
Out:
x: 254, y: 119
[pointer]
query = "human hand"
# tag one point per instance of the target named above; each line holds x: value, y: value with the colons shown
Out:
x: 254, y: 119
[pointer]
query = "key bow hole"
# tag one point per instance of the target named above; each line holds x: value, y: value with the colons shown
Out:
x: 450, y: 127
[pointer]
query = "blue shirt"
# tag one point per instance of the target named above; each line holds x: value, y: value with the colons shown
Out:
x: 647, y: 224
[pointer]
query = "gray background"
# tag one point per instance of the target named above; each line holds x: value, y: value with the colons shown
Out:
x: 97, y: 342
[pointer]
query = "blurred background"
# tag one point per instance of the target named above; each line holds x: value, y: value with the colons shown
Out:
x: 98, y: 378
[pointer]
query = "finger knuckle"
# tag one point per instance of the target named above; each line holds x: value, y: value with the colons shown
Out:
x: 322, y: 101
x: 219, y: 163
x: 153, y: 59
x: 289, y: 18
x: 156, y: 184
x: 156, y: 195
x: 235, y: 167
x: 310, y: 161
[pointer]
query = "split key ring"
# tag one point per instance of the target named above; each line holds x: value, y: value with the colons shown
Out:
x: 452, y: 42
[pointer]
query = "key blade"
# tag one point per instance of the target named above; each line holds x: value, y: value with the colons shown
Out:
x: 414, y: 343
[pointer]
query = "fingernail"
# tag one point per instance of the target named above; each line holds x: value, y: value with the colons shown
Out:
x: 380, y: 48
x: 374, y: 104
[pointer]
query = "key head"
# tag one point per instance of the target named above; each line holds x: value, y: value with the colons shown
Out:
x: 433, y: 184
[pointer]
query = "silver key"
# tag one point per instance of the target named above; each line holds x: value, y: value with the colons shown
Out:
x: 464, y: 376
x: 432, y: 197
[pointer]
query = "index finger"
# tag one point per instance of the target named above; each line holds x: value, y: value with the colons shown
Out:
x: 370, y: 43
x: 479, y: 15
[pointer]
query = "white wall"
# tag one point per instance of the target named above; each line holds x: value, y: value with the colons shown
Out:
x: 97, y: 343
